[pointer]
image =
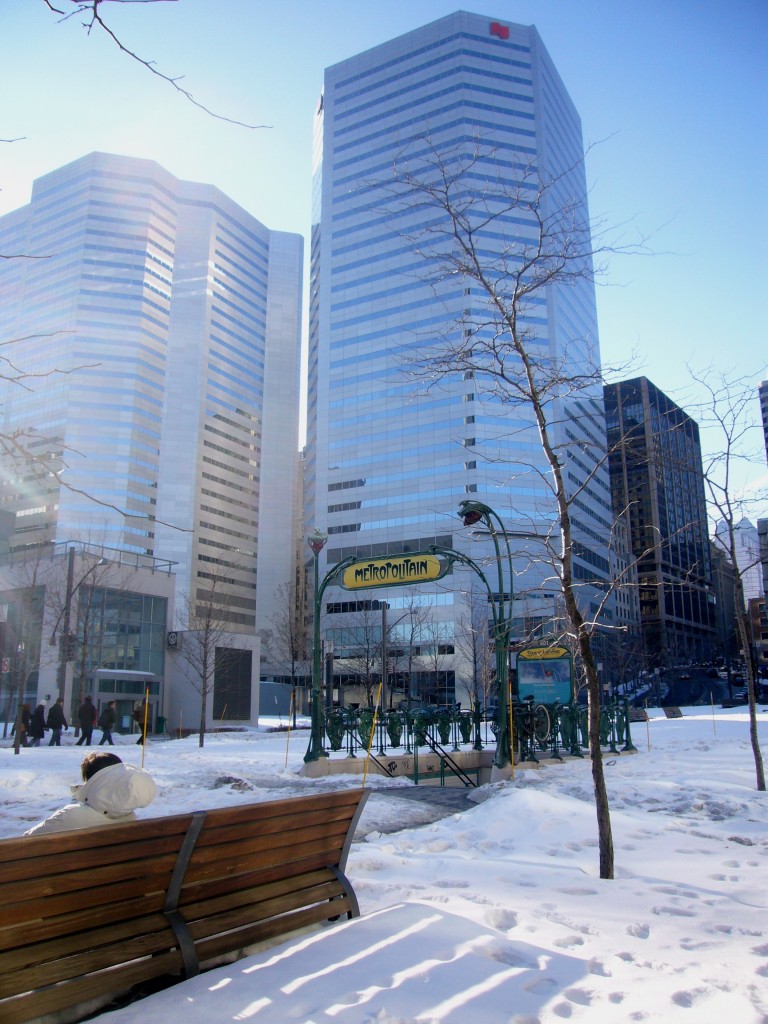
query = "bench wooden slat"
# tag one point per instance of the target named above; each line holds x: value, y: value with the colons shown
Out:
x: 205, y: 918
x: 275, y: 928
x: 207, y: 880
x: 32, y: 930
x: 53, y: 907
x: 93, y: 885
x: 290, y: 808
x: 242, y: 856
x: 147, y: 873
x: 79, y: 990
x: 122, y: 852
x: 256, y: 872
x: 272, y: 825
x: 76, y: 941
x: 140, y: 942
x: 60, y: 843
x: 236, y: 917
x: 257, y: 894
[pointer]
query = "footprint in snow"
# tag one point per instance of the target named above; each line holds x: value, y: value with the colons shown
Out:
x: 673, y: 911
x: 501, y: 918
x: 599, y: 968
x: 687, y: 999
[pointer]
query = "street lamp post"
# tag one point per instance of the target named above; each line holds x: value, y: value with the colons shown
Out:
x: 317, y: 541
x: 472, y: 512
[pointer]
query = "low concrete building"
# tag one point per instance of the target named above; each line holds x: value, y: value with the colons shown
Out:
x: 81, y: 619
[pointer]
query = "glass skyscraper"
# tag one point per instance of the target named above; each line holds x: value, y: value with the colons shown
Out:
x: 658, y: 485
x: 389, y: 460
x: 157, y: 328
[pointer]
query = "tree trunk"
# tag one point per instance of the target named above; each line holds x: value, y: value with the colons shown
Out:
x: 742, y: 623
x: 203, y: 696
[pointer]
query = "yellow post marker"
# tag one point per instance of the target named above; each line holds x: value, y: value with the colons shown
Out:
x: 221, y: 719
x: 714, y: 722
x: 647, y: 725
x: 512, y: 737
x: 373, y: 733
x: 146, y: 716
x: 179, y: 723
x: 288, y: 737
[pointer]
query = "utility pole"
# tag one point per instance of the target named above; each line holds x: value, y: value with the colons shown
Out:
x: 384, y: 656
x: 65, y: 643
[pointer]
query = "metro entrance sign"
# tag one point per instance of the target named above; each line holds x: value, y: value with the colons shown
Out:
x: 425, y: 567
x: 394, y: 571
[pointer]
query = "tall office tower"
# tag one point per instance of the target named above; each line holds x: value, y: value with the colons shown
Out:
x: 746, y: 542
x: 657, y: 482
x: 161, y: 333
x: 388, y: 460
x: 764, y: 412
x: 724, y: 585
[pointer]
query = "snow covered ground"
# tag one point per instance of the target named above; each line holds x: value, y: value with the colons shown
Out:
x: 495, y: 915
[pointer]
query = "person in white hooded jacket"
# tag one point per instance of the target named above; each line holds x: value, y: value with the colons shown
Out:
x: 110, y: 794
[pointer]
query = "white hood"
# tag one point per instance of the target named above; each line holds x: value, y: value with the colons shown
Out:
x: 118, y: 790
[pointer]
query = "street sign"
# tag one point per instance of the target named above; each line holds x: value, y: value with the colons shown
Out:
x: 394, y: 571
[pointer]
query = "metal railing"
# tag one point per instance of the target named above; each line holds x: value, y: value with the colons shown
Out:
x: 538, y: 730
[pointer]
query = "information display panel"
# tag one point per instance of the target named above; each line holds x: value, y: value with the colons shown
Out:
x: 546, y: 674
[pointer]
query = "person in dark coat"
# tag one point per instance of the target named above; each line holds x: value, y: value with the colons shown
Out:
x: 56, y: 722
x: 26, y: 718
x: 86, y: 716
x: 107, y: 723
x: 140, y: 712
x: 37, y: 726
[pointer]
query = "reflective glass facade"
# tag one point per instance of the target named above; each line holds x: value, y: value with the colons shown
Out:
x: 658, y: 484
x: 164, y: 323
x: 387, y: 462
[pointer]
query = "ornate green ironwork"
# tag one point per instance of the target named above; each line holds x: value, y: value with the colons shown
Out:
x: 336, y: 727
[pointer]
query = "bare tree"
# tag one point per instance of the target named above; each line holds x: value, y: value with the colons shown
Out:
x: 729, y: 408
x: 542, y: 239
x: 205, y: 644
x: 404, y: 639
x: 288, y: 641
x: 22, y: 648
x: 438, y: 644
x: 365, y: 644
x: 474, y: 644
x: 70, y: 578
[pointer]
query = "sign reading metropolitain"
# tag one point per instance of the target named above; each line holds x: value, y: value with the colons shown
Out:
x: 396, y: 570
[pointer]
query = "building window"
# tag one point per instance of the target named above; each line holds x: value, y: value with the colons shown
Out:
x: 232, y: 684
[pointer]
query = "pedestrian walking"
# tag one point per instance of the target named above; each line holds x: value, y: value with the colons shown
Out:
x: 26, y: 718
x: 36, y: 729
x: 86, y: 716
x: 107, y: 723
x: 56, y: 722
x: 140, y: 714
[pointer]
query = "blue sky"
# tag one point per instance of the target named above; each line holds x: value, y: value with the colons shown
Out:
x: 674, y: 93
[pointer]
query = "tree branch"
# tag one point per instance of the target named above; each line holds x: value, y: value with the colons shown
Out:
x: 91, y: 8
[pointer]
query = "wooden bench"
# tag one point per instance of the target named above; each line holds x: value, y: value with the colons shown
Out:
x: 91, y: 914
